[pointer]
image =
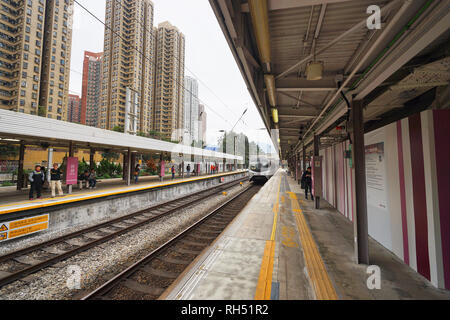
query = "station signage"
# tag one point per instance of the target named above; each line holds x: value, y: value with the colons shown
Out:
x: 23, y: 227
x: 72, y: 171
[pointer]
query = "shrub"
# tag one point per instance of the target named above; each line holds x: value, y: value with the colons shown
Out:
x: 108, y: 169
x: 83, y: 166
x: 151, y: 167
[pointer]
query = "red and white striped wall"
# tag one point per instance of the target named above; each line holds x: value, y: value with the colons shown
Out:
x: 415, y: 225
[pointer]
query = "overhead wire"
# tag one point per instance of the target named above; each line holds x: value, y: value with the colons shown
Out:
x: 155, y: 37
x: 149, y: 59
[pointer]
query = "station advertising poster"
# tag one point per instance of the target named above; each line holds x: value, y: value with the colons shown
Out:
x: 376, y: 176
x: 72, y: 171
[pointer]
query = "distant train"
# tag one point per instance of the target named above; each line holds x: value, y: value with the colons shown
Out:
x: 262, y: 168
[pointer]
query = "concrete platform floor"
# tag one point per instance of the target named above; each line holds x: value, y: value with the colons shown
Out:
x: 333, y: 234
x: 10, y: 198
x: 280, y: 248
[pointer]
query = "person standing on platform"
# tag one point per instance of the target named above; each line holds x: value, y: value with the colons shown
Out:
x: 307, y: 183
x: 188, y: 170
x: 37, y: 179
x: 173, y: 172
x: 55, y: 180
x: 137, y: 170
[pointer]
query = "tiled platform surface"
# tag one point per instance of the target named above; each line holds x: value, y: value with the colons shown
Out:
x: 280, y: 247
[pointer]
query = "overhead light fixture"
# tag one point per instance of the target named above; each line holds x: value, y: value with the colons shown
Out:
x: 275, y: 115
x: 10, y: 140
x: 314, y: 71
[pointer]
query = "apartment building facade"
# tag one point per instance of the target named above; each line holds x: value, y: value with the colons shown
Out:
x: 203, y: 123
x: 127, y: 62
x: 168, y: 116
x: 191, y: 108
x: 91, y: 89
x: 74, y: 109
x: 35, y: 48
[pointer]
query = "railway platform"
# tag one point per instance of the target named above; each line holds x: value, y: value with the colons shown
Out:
x: 110, y: 200
x: 281, y: 248
x: 12, y: 200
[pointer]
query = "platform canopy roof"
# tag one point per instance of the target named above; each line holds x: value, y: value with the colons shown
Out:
x: 32, y: 129
x: 397, y: 70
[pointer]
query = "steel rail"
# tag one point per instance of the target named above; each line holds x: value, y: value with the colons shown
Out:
x: 103, y: 290
x: 39, y: 266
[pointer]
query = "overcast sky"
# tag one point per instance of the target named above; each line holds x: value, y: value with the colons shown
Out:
x: 208, y: 58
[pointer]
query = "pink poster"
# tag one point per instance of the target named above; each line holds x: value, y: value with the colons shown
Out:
x: 163, y: 169
x: 72, y: 171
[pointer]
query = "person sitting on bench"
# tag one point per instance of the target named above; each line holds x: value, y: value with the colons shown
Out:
x: 92, y: 179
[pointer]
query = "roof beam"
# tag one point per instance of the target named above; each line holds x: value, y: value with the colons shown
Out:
x: 385, y: 34
x: 290, y: 4
x: 294, y: 109
x: 434, y: 25
x: 295, y: 85
x: 353, y: 29
x: 295, y: 117
x: 296, y: 99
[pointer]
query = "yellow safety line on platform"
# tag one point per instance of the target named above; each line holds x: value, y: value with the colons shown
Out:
x: 276, y: 209
x: 106, y: 193
x: 318, y: 274
x: 264, y: 286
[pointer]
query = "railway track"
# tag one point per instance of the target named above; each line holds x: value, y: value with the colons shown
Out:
x: 29, y: 260
x: 148, y: 278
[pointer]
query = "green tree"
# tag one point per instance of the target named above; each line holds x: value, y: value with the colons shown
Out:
x: 107, y: 169
x: 9, y: 151
x: 119, y: 129
x: 83, y: 166
x: 42, y: 111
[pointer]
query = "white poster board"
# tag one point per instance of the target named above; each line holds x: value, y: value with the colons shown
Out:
x: 376, y: 176
x: 377, y: 187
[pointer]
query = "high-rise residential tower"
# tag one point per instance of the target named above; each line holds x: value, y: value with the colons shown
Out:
x: 74, y: 109
x: 203, y: 118
x: 55, y: 74
x: 191, y: 110
x: 127, y: 62
x: 35, y: 42
x: 169, y: 102
x: 91, y: 90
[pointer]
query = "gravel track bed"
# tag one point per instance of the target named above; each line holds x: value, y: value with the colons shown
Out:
x: 101, y: 263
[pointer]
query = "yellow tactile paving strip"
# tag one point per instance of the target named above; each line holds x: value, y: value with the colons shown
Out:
x: 21, y: 206
x: 317, y: 272
x: 264, y: 286
x: 320, y: 280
